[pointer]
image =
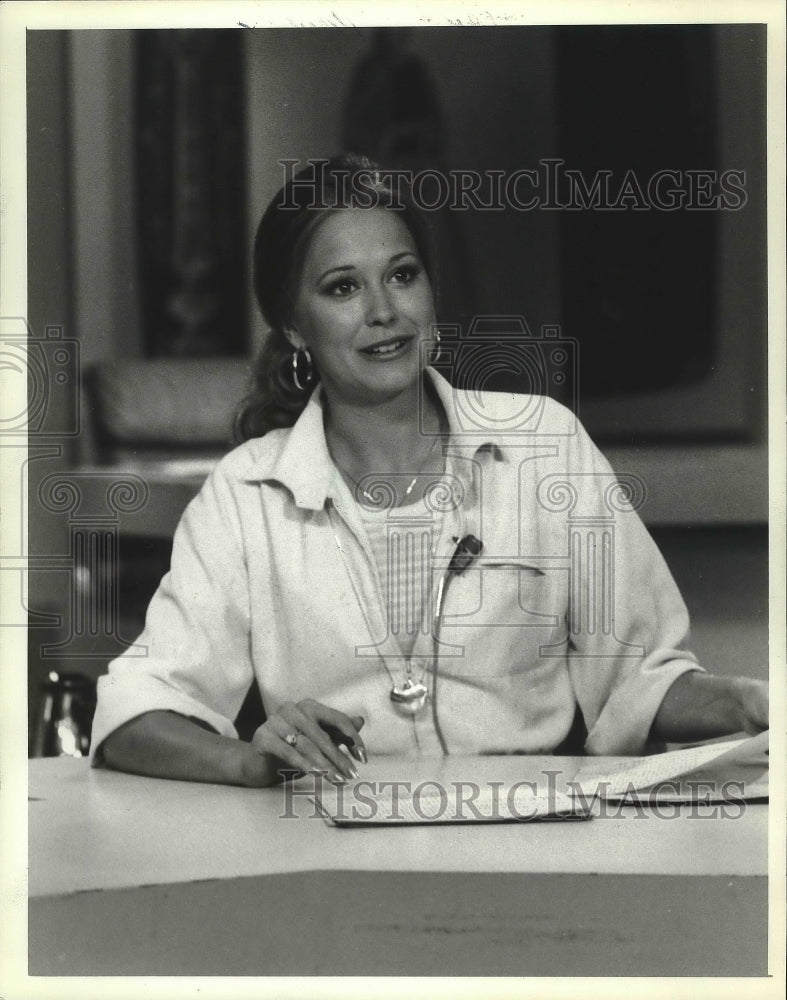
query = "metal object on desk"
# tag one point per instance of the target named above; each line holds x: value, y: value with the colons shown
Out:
x: 65, y: 716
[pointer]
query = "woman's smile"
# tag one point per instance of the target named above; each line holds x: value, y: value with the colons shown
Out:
x: 387, y: 350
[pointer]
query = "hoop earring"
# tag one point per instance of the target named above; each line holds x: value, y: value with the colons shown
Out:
x: 436, y: 358
x: 309, y: 376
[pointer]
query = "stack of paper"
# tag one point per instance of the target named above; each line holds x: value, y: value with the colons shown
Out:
x: 719, y: 772
x: 715, y: 772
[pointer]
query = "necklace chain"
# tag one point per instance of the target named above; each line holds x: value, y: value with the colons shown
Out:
x: 413, y: 481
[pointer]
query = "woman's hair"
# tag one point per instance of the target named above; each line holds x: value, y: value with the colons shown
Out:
x: 280, y: 246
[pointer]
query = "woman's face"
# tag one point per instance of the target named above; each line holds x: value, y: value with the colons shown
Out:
x: 363, y: 305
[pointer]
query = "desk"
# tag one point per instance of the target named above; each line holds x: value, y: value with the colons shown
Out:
x: 134, y: 876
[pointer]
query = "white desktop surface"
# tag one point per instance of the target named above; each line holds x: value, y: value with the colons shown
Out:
x: 99, y: 829
x: 146, y: 876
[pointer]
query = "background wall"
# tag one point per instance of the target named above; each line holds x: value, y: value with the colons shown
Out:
x: 51, y: 276
x: 99, y: 96
x: 296, y: 83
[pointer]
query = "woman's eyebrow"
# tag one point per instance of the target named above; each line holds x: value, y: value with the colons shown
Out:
x: 336, y: 270
x: 344, y: 268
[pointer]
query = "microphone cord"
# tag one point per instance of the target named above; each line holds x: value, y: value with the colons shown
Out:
x: 467, y: 549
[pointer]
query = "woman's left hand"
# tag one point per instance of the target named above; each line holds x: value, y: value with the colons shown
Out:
x: 701, y: 706
x: 753, y: 698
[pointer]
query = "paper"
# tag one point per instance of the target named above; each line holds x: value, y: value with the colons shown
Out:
x: 681, y: 775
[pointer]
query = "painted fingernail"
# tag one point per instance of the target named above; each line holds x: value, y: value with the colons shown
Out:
x: 360, y: 753
x: 339, y: 779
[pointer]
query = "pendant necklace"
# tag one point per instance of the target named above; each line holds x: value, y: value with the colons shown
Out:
x: 409, y: 696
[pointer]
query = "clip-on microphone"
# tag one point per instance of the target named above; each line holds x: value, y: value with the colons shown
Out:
x: 467, y: 549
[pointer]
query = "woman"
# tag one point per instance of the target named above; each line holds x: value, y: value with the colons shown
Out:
x: 372, y: 565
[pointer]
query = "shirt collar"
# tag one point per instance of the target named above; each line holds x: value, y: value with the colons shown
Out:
x: 303, y: 463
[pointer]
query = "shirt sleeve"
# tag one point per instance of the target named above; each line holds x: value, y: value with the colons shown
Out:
x: 195, y: 648
x: 628, y: 624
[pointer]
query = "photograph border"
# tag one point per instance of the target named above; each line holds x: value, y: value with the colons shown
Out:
x: 16, y: 18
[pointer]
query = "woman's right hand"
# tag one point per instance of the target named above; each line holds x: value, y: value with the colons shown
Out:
x: 294, y: 738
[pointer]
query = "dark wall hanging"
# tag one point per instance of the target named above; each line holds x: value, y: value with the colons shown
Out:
x: 639, y: 285
x: 191, y: 192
